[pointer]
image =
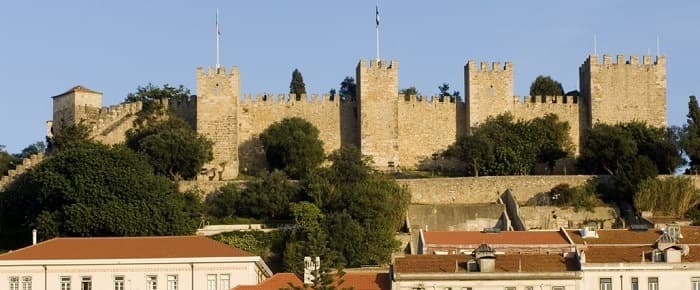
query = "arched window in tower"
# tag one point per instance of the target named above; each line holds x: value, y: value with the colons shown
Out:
x: 491, y: 90
x: 216, y: 89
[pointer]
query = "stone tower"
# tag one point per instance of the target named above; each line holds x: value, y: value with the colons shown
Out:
x: 73, y: 106
x: 488, y: 90
x: 377, y: 94
x: 218, y: 94
x: 622, y: 91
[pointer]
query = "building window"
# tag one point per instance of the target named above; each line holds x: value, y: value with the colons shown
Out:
x: 510, y: 288
x: 118, y: 282
x: 635, y: 283
x: 605, y: 283
x: 211, y: 282
x: 26, y: 282
x: 172, y: 282
x: 14, y: 282
x: 86, y: 283
x: 557, y: 287
x: 695, y: 283
x: 65, y: 283
x: 151, y: 282
x: 466, y: 288
x: 225, y: 280
x: 529, y: 288
x: 653, y: 283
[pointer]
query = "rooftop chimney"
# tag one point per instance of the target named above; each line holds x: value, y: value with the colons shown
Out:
x: 311, y: 269
x: 34, y: 237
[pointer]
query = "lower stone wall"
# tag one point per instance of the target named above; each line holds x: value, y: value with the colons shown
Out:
x: 551, y: 217
x: 485, y: 188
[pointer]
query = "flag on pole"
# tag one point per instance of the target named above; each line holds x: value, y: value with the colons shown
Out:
x: 218, y: 27
x: 377, y: 15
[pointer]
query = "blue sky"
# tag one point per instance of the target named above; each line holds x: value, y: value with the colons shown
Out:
x: 46, y: 47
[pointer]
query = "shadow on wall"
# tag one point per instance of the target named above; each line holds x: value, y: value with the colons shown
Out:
x: 251, y: 155
x: 439, y: 165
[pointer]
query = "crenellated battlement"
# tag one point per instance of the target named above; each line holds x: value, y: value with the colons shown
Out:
x: 621, y: 59
x: 220, y: 71
x: 559, y: 100
x: 426, y: 99
x: 485, y: 66
x: 381, y: 64
x: 26, y: 164
x: 288, y: 98
x: 102, y: 118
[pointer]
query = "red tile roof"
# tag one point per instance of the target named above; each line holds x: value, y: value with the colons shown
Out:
x: 358, y: 281
x: 77, y: 88
x: 691, y: 235
x: 630, y: 254
x: 493, y: 239
x: 125, y: 248
x: 504, y: 263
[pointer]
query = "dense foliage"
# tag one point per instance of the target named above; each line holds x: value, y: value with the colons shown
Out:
x: 94, y: 190
x: 297, y: 85
x: 690, y: 135
x: 172, y: 147
x: 579, y: 197
x: 669, y: 196
x: 546, y: 86
x: 445, y: 93
x: 348, y: 89
x: 69, y: 136
x: 630, y: 152
x: 502, y: 146
x: 7, y: 160
x: 292, y: 145
x: 150, y: 96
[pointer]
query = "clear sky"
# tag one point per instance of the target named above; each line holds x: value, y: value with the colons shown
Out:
x: 47, y: 47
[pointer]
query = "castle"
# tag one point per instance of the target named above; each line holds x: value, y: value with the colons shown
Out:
x: 395, y: 130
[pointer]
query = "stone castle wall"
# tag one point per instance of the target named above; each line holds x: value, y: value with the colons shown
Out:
x: 567, y: 108
x: 257, y: 115
x: 384, y: 125
x: 427, y: 127
x: 624, y: 90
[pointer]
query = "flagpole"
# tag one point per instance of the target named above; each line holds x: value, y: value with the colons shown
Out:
x: 377, y: 26
x: 218, y: 35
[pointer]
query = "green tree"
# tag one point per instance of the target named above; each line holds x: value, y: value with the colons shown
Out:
x: 267, y: 198
x: 348, y: 89
x: 657, y: 144
x: 445, y: 93
x: 408, y: 92
x: 94, y: 190
x: 223, y: 202
x: 350, y: 189
x: 292, y: 145
x: 151, y: 95
x: 690, y: 137
x: 552, y: 139
x: 7, y: 161
x: 297, y: 85
x: 603, y: 147
x: 31, y: 149
x: 476, y: 150
x: 307, y: 237
x: 69, y: 136
x: 669, y: 196
x: 546, y: 86
x: 172, y: 147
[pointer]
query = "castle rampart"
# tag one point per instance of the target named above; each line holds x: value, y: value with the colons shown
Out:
x: 624, y: 90
x: 397, y: 131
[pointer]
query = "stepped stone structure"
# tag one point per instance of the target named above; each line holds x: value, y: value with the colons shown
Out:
x: 396, y: 131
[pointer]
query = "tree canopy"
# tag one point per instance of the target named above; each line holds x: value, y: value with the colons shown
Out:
x: 546, y: 86
x: 348, y: 89
x: 630, y: 152
x: 504, y: 146
x: 172, y: 147
x: 445, y: 93
x: 7, y: 161
x: 150, y: 95
x: 690, y: 135
x: 93, y: 190
x: 292, y: 145
x: 297, y: 85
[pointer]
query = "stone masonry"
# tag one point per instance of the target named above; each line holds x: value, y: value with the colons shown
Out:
x: 395, y: 130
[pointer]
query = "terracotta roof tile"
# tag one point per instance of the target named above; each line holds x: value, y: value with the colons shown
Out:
x: 691, y: 235
x: 501, y: 238
x: 125, y: 248
x: 358, y: 281
x: 504, y: 263
x: 630, y: 254
x: 77, y: 88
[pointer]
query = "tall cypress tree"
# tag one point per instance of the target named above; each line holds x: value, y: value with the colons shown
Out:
x: 297, y: 85
x: 691, y: 135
